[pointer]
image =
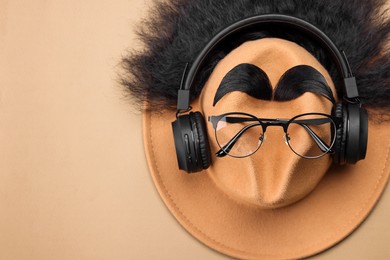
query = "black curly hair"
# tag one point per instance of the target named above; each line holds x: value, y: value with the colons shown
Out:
x: 176, y: 30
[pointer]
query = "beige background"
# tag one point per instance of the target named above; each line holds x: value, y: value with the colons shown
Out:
x: 73, y: 177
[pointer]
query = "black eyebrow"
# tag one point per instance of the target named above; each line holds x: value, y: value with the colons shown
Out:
x: 247, y: 78
x: 300, y: 79
x: 252, y: 80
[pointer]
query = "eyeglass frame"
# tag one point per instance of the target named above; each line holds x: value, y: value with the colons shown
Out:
x: 284, y: 123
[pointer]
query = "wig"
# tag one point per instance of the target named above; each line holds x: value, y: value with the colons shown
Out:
x: 176, y: 31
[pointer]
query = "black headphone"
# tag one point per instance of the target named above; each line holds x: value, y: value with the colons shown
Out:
x: 189, y: 130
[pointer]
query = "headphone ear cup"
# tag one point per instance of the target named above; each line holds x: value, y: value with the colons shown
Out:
x: 351, y: 138
x: 341, y: 134
x: 356, y: 144
x: 191, y: 143
x: 203, y: 144
x: 181, y: 128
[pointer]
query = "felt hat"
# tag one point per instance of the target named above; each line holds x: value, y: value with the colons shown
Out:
x: 272, y: 204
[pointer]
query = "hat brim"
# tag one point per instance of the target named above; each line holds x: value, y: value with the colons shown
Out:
x: 337, y: 206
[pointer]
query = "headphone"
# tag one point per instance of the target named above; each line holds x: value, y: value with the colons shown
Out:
x: 189, y: 130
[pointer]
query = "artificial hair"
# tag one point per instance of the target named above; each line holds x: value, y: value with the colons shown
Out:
x: 176, y: 31
x: 299, y: 80
x: 252, y: 80
x: 246, y: 78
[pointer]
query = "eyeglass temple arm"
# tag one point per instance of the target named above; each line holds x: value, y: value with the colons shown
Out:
x: 315, y: 121
x: 324, y: 148
x: 227, y: 147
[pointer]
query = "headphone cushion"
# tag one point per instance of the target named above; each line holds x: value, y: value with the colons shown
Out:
x: 204, y: 146
x: 341, y: 136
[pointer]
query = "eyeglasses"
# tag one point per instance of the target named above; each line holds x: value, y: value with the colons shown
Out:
x: 309, y: 135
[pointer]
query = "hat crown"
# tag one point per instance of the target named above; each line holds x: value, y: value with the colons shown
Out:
x: 273, y: 176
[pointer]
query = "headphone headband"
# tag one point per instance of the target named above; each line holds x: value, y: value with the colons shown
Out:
x: 350, y: 88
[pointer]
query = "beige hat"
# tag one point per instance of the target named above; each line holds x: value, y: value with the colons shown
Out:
x: 272, y: 204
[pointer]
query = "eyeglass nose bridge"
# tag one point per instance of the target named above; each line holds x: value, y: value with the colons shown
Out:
x: 275, y: 122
